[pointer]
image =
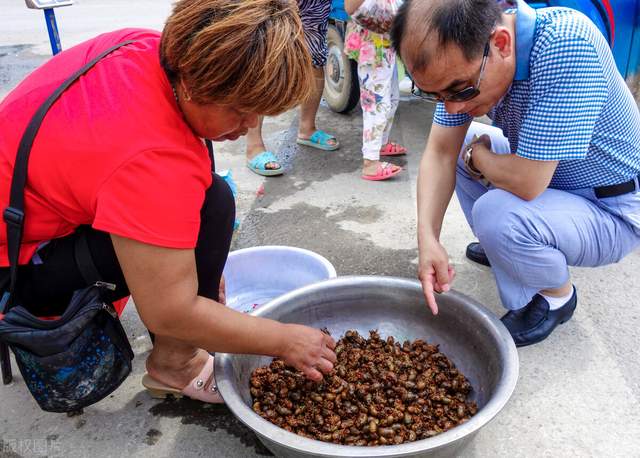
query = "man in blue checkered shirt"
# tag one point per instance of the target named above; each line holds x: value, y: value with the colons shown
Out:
x: 554, y: 181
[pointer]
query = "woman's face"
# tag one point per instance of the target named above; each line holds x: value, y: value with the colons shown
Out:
x: 217, y: 122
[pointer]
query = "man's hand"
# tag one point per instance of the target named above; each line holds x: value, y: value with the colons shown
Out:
x: 522, y: 177
x: 308, y: 350
x: 484, y: 141
x: 435, y: 272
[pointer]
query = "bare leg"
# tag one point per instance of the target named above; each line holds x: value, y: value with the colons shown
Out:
x: 175, y: 363
x: 255, y: 144
x: 309, y: 109
x: 561, y: 291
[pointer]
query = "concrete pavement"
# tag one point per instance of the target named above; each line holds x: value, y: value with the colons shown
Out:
x: 578, y: 392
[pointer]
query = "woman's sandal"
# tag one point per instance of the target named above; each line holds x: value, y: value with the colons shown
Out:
x: 383, y: 172
x: 320, y: 139
x: 202, y: 388
x: 259, y: 164
x: 393, y: 149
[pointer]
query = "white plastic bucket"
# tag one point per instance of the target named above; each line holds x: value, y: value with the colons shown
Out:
x: 254, y: 276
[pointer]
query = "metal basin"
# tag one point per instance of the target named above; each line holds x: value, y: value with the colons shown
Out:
x: 475, y: 340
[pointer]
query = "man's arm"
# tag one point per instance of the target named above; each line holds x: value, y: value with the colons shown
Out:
x: 522, y: 177
x: 436, y: 182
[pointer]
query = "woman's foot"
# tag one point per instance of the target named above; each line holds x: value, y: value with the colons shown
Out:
x: 202, y: 387
x: 177, y: 370
x: 378, y: 171
x: 392, y: 149
x: 271, y: 166
x: 318, y: 139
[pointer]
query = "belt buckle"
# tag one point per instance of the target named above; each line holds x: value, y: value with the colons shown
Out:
x: 13, y: 216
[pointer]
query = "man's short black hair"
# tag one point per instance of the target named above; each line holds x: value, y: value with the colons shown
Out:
x: 465, y: 23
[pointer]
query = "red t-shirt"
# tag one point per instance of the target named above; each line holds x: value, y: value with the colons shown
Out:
x: 114, y: 151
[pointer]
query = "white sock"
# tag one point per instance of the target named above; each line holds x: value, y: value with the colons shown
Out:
x: 556, y: 302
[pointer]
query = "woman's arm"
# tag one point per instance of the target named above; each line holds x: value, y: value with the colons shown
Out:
x: 350, y: 6
x: 164, y: 286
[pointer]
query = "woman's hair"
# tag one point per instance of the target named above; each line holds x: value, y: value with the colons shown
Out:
x: 249, y: 54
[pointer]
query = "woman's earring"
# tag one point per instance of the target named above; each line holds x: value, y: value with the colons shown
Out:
x: 187, y: 97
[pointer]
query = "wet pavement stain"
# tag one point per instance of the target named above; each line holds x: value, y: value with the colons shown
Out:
x: 213, y: 417
x: 350, y: 252
x: 153, y: 436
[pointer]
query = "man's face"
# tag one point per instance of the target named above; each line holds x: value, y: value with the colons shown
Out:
x: 449, y: 72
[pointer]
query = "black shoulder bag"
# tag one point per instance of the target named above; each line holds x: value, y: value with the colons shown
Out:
x: 79, y: 358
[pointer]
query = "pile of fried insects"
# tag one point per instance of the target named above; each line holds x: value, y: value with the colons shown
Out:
x: 380, y: 392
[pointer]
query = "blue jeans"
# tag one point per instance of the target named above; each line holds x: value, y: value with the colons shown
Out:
x: 530, y: 244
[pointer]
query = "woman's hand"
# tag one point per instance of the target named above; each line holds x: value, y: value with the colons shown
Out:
x: 435, y: 272
x: 308, y: 350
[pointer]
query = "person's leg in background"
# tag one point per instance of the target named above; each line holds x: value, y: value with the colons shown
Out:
x: 391, y: 148
x: 315, y: 16
x: 375, y: 100
x: 315, y: 20
x: 259, y: 159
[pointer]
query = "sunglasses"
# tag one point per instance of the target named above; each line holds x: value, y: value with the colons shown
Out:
x: 465, y: 94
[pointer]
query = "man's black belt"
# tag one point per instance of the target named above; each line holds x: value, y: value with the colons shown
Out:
x: 616, y: 189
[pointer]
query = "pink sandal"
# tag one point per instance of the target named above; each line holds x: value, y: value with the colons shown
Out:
x: 384, y: 172
x: 202, y: 388
x: 393, y: 149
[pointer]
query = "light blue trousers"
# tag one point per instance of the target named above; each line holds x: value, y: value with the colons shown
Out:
x: 530, y: 244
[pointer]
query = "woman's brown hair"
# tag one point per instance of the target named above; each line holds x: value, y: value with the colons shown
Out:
x: 249, y: 54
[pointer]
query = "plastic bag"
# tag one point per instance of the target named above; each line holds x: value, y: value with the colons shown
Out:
x: 377, y: 15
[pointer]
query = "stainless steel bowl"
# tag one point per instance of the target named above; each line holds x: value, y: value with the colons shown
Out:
x: 475, y: 340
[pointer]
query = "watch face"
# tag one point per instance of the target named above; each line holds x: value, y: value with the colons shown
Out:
x: 467, y: 155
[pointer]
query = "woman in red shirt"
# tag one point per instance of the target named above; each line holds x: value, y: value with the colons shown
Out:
x: 119, y: 162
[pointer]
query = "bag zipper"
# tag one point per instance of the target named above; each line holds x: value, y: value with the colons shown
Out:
x: 104, y: 284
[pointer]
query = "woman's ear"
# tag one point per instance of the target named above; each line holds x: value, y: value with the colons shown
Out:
x: 503, y: 41
x: 185, y: 94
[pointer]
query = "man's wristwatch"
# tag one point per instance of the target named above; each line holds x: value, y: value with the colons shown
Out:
x: 467, y: 158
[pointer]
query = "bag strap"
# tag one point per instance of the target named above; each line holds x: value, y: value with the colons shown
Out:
x: 14, y: 215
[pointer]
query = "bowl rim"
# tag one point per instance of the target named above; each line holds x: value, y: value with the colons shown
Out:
x: 331, y: 270
x: 270, y: 432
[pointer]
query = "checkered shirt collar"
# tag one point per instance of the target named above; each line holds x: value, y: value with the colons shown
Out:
x: 525, y: 31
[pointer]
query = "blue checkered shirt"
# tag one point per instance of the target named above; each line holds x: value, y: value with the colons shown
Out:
x: 567, y: 103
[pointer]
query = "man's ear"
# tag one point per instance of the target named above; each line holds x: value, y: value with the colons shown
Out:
x: 503, y: 41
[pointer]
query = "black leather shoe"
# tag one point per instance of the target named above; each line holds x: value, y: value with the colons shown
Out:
x: 534, y: 322
x: 475, y: 252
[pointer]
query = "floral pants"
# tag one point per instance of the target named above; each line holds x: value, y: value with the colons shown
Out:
x: 379, y: 96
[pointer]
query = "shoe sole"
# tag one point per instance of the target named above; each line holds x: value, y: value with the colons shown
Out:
x: 267, y: 172
x: 315, y: 145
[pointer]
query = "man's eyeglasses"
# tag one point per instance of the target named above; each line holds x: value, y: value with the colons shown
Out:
x: 465, y: 94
